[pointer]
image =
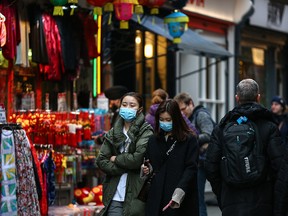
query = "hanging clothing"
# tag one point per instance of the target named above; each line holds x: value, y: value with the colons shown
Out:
x: 12, y: 29
x: 23, y: 46
x: 55, y: 69
x: 8, y: 171
x: 38, y: 41
x: 27, y: 197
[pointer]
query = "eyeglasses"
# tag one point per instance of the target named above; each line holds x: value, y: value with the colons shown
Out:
x: 183, y: 108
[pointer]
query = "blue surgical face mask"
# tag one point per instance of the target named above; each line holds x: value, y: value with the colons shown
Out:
x: 166, y: 126
x: 127, y: 114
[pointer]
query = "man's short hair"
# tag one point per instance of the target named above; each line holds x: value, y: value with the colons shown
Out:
x: 184, y: 98
x: 247, y: 91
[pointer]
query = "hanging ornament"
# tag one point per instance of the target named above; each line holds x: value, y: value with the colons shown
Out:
x: 138, y: 10
x: 58, y: 7
x: 124, y: 11
x: 177, y: 25
x: 98, y: 5
x: 153, y: 4
x: 73, y: 5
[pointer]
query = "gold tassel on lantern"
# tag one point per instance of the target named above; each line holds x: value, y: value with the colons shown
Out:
x: 138, y: 10
x: 97, y: 10
x: 72, y: 6
x: 58, y: 11
x: 109, y: 8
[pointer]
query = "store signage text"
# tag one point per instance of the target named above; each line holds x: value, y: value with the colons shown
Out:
x: 199, y: 3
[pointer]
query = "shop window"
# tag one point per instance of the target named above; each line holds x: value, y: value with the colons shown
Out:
x: 151, y: 66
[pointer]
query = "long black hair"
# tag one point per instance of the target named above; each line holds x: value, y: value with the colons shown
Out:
x: 180, y: 129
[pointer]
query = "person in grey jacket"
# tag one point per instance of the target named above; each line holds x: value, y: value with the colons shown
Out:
x: 201, y: 118
x: 121, y: 156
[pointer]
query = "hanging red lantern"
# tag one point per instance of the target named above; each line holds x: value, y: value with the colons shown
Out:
x: 124, y: 11
x: 153, y: 4
x: 99, y: 4
x: 58, y: 7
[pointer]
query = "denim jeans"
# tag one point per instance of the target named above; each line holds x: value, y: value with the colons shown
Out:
x: 201, y: 191
x: 115, y: 209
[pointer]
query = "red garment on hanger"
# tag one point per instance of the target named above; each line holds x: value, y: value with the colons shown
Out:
x: 54, y: 50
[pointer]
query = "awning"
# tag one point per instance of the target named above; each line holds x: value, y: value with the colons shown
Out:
x: 192, y: 43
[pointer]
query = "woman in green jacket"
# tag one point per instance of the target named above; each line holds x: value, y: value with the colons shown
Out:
x: 121, y: 156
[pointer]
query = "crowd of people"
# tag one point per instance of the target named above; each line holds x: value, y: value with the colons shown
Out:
x: 177, y: 145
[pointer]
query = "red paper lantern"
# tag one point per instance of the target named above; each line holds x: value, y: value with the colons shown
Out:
x: 99, y: 4
x: 153, y: 4
x: 124, y: 11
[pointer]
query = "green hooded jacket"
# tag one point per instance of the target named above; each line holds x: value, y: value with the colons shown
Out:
x: 126, y: 162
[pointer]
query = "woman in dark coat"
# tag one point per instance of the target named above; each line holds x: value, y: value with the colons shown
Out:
x: 172, y: 156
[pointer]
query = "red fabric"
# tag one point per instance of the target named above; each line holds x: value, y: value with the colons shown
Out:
x: 90, y: 32
x: 3, y: 33
x: 43, y: 199
x: 12, y: 29
x: 53, y: 41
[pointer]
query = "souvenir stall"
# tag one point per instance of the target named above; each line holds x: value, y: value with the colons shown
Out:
x: 64, y: 147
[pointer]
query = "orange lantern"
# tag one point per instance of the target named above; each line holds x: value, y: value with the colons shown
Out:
x: 124, y: 11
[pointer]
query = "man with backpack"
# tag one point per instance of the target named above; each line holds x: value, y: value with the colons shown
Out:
x: 244, y: 157
x: 201, y: 119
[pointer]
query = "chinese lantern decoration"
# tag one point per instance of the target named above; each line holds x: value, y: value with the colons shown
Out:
x: 153, y: 4
x: 177, y: 25
x: 124, y: 11
x: 99, y: 4
x: 58, y: 7
x: 73, y: 6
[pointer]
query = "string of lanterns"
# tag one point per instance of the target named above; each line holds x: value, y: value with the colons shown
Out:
x: 124, y: 10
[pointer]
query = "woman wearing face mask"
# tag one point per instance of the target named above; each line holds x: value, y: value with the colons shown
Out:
x: 172, y: 156
x: 120, y: 157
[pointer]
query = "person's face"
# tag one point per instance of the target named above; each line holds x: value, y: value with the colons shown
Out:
x: 130, y: 102
x: 186, y: 109
x: 276, y: 108
x: 114, y: 104
x: 165, y: 117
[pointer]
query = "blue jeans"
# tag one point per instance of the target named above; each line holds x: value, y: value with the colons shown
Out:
x: 201, y: 191
x: 115, y: 208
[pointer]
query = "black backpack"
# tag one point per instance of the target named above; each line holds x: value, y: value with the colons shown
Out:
x: 243, y: 161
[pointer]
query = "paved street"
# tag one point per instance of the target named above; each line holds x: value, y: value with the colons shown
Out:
x: 213, y: 211
x: 212, y: 208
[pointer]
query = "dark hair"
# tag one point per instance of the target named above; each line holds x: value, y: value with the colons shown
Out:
x: 184, y: 98
x: 180, y: 129
x: 247, y: 91
x: 136, y: 95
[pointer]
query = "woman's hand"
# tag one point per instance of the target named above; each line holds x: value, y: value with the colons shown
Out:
x: 145, y: 167
x: 112, y: 158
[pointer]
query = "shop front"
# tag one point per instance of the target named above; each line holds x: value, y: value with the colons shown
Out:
x: 263, y: 49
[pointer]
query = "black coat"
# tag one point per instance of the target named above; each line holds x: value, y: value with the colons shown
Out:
x: 178, y: 170
x: 254, y: 200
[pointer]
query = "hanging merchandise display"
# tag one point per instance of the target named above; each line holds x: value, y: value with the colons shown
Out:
x: 177, y: 25
x: 124, y: 11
